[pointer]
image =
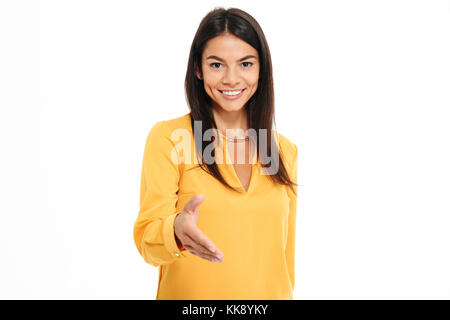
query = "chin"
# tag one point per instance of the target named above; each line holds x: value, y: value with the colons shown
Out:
x: 231, y: 108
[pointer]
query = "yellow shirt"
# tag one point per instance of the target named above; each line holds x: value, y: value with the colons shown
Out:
x: 255, y: 229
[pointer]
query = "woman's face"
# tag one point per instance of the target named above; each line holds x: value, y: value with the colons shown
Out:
x: 229, y: 64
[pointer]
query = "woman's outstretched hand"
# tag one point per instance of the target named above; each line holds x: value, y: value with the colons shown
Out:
x: 190, y: 236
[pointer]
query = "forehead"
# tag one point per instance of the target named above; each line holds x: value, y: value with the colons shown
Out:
x: 228, y: 46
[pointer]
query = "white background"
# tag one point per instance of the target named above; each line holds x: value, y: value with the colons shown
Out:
x: 362, y: 87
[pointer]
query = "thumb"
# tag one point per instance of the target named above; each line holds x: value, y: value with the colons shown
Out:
x: 193, y: 204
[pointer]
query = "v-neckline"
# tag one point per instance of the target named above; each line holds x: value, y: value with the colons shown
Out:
x: 232, y: 170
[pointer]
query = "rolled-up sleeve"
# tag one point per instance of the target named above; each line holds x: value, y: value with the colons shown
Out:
x: 154, y: 234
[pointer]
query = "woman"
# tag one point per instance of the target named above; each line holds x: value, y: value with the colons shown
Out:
x: 218, y: 227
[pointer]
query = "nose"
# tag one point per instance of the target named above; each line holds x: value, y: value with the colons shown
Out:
x: 231, y: 77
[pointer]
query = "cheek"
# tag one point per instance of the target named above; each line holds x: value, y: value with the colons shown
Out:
x: 253, y: 78
x: 211, y: 86
x: 211, y: 80
x: 254, y: 83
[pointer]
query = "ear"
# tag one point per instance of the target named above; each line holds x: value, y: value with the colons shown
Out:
x: 198, y: 74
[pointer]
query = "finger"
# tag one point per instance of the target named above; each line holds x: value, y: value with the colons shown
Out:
x: 189, y: 241
x: 199, y: 248
x: 194, y: 203
x: 200, y: 238
x: 207, y: 257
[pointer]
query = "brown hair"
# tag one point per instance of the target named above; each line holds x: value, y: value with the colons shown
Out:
x: 259, y: 108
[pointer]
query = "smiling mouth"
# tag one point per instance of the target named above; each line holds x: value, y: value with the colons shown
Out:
x: 232, y: 92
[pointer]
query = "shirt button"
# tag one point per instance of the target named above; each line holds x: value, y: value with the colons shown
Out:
x: 177, y: 254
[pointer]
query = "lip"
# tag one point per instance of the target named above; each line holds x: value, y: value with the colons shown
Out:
x: 232, y: 97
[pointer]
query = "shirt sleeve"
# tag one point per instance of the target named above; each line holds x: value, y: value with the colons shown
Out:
x: 290, y: 244
x: 154, y: 234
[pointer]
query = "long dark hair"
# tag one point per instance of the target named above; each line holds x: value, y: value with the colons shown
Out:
x: 259, y: 108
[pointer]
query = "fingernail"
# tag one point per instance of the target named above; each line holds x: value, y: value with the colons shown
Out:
x: 212, y: 249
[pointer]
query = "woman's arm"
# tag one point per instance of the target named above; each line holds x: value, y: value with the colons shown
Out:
x: 154, y: 227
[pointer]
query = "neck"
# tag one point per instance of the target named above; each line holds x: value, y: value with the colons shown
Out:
x: 235, y: 122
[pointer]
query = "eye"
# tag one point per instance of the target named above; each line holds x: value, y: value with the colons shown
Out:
x: 217, y: 63
x: 212, y: 64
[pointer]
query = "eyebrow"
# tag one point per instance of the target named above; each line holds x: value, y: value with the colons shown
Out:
x: 241, y: 59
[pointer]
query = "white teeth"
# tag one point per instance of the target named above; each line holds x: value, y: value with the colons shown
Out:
x: 231, y: 93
